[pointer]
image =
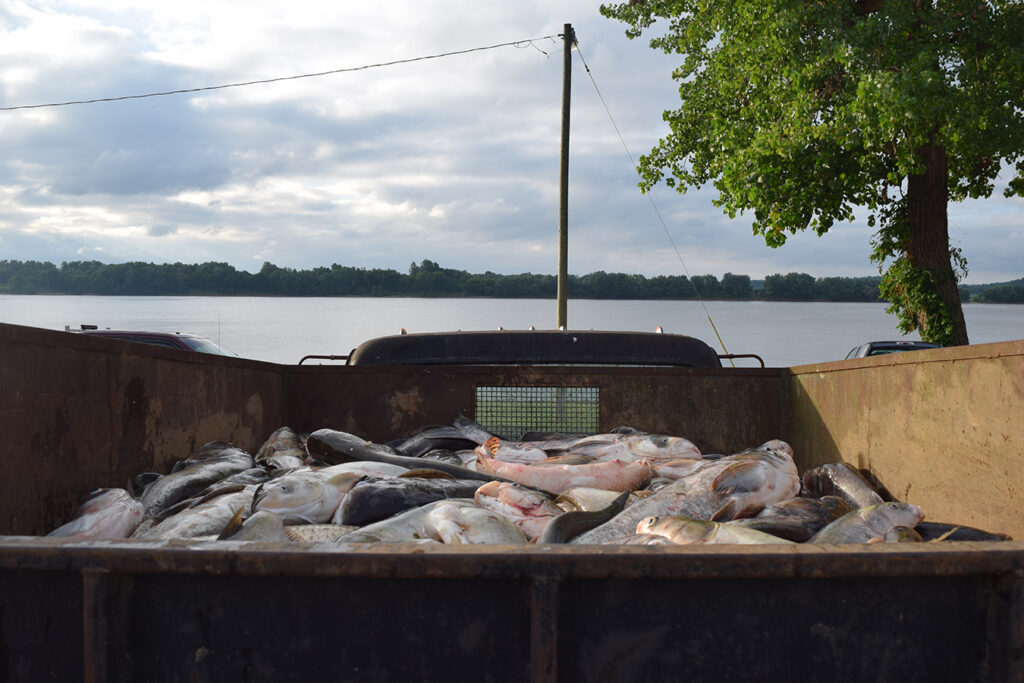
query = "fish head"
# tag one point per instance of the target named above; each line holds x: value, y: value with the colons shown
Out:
x: 681, y: 530
x: 298, y: 497
x: 894, y: 513
x: 661, y: 446
x: 644, y: 525
x: 776, y: 445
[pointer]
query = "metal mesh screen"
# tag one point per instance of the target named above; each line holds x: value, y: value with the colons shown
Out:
x: 510, y: 412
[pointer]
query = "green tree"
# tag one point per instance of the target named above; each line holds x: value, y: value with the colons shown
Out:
x: 799, y: 111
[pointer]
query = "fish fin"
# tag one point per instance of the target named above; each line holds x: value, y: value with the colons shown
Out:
x: 233, y: 525
x: 343, y: 478
x: 727, y: 512
x: 876, y: 540
x: 492, y: 445
x: 739, y: 477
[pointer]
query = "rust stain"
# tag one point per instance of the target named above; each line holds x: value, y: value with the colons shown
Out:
x: 403, y: 405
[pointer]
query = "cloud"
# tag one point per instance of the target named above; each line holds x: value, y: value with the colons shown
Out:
x: 453, y: 159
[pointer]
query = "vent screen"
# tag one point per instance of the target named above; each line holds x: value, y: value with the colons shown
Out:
x: 510, y: 412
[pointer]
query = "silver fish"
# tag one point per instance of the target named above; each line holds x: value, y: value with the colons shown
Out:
x: 870, y: 524
x: 687, y: 531
x: 107, y: 513
x: 211, y: 463
x: 719, y: 490
x: 842, y: 480
x: 283, y: 450
x: 305, y: 497
x: 412, y: 525
x: 452, y: 523
x: 206, y: 518
x: 796, y: 519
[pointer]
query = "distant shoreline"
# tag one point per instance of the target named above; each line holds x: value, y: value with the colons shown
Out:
x: 429, y: 280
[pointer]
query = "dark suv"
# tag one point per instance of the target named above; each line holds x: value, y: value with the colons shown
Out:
x: 172, y: 340
x: 881, y: 348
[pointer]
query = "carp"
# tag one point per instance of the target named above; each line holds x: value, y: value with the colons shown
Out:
x: 106, y: 513
x: 869, y: 524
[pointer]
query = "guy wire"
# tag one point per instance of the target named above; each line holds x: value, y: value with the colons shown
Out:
x: 654, y: 205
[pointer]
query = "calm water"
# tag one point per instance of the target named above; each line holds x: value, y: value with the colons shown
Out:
x: 282, y: 330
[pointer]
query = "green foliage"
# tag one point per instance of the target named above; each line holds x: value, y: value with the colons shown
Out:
x: 424, y: 279
x: 1003, y: 294
x: 911, y: 291
x: 798, y: 112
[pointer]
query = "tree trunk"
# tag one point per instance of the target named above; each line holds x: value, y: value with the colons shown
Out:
x: 928, y: 249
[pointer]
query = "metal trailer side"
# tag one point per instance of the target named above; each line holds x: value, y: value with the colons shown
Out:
x: 937, y: 427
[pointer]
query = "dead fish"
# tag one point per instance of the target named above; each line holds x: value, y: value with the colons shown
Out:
x: 340, y: 447
x: 613, y: 475
x: 211, y: 463
x: 409, y: 525
x: 933, y: 531
x: 588, y: 499
x: 530, y: 510
x: 453, y: 523
x: 372, y: 500
x: 902, y: 534
x: 796, y: 519
x: 283, y: 450
x: 106, y: 513
x: 262, y: 526
x: 571, y: 524
x: 443, y: 455
x: 738, y: 485
x: 842, y: 480
x: 304, y: 497
x: 647, y: 539
x: 654, y: 448
x: 207, y: 517
x: 379, y: 470
x: 688, y: 531
x: 676, y: 469
x: 317, y: 533
x: 431, y: 438
x: 870, y: 524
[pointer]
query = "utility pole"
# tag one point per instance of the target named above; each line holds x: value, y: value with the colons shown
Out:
x: 569, y: 39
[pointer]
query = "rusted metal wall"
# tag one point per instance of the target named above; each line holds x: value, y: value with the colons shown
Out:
x: 720, y: 410
x: 941, y: 429
x: 80, y: 413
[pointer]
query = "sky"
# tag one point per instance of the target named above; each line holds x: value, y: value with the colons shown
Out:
x: 453, y: 159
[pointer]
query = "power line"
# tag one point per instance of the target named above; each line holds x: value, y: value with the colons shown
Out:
x: 528, y: 42
x: 651, y: 200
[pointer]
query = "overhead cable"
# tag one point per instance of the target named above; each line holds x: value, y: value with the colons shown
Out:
x: 515, y: 43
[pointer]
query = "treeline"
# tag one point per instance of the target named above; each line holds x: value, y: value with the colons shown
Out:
x: 426, y: 278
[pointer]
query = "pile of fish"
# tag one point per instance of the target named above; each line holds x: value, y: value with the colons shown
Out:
x: 459, y: 483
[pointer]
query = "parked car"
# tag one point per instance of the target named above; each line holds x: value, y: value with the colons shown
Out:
x: 881, y: 348
x: 172, y: 340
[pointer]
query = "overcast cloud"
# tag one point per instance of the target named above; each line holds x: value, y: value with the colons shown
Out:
x: 452, y: 159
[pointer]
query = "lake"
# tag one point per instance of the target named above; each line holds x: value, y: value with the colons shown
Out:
x: 283, y: 330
